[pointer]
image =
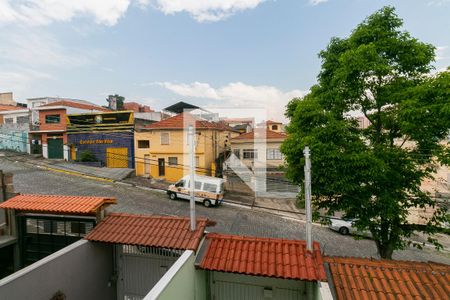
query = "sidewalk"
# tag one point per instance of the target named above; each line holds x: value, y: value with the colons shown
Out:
x: 112, y: 174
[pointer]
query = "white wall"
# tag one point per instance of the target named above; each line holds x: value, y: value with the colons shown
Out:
x: 82, y: 270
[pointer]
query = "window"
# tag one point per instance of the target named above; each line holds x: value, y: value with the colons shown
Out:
x: 274, y: 154
x: 32, y: 226
x: 237, y: 152
x: 165, y: 138
x: 173, y: 161
x: 274, y: 127
x: 78, y: 228
x: 143, y: 144
x: 8, y: 120
x: 197, y: 161
x: 209, y: 187
x: 179, y: 183
x: 52, y: 119
x: 23, y: 120
x: 198, y: 185
x: 250, y: 154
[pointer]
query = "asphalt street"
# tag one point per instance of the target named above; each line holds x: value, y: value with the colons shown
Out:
x: 230, y: 219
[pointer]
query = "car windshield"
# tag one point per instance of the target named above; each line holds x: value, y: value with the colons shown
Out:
x: 179, y: 183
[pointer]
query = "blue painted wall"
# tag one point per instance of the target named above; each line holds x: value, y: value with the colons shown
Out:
x: 13, y: 140
x: 119, y: 140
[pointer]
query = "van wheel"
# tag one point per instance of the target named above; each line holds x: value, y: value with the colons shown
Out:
x: 173, y: 196
x: 206, y: 203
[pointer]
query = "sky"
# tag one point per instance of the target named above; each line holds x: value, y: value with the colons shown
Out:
x: 214, y: 53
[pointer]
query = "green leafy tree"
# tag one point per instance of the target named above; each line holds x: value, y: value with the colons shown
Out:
x: 373, y: 174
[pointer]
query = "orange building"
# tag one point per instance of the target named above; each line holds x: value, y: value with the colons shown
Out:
x: 49, y: 136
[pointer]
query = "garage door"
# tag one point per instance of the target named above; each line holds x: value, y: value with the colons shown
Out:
x: 55, y: 148
x: 117, y: 157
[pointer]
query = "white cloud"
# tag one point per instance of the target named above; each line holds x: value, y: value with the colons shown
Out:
x: 438, y: 2
x: 37, y: 49
x: 441, y: 53
x: 196, y: 89
x: 203, y: 10
x: 238, y: 94
x: 108, y: 12
x: 18, y: 80
x: 43, y: 12
x: 317, y: 2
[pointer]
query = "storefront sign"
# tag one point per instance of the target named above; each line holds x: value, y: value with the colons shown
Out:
x: 89, y: 142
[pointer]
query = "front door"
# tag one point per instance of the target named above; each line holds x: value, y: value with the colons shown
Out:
x: 147, y: 164
x: 161, y: 167
x: 55, y: 148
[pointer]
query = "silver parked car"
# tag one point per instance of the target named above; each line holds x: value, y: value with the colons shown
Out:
x: 345, y: 226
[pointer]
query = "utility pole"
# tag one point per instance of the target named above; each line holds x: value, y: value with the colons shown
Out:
x: 192, y: 175
x: 308, y: 198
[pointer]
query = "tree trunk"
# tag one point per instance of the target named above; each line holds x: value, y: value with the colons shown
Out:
x: 385, y: 250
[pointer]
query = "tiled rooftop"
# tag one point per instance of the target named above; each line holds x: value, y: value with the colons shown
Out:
x: 362, y: 278
x: 76, y: 105
x: 177, y: 122
x: 4, y: 107
x: 279, y: 258
x: 136, y: 107
x: 148, y: 230
x: 269, y: 134
x: 57, y: 203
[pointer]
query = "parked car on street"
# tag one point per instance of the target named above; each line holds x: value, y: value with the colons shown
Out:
x: 207, y: 190
x: 345, y: 226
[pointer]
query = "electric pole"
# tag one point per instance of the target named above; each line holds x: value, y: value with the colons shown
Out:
x: 308, y: 198
x: 192, y: 175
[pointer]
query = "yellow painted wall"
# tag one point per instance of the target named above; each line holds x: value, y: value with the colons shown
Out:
x: 206, y: 150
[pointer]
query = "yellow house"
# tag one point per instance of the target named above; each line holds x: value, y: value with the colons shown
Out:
x: 162, y: 149
x: 275, y: 126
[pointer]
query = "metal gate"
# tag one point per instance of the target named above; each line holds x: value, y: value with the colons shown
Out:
x: 55, y: 148
x: 140, y: 268
x: 226, y: 286
x: 117, y: 157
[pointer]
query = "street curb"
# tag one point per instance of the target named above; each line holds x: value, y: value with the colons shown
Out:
x: 236, y: 205
x: 73, y: 173
x: 78, y: 174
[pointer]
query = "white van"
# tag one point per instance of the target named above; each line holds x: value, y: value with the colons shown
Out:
x: 208, y: 190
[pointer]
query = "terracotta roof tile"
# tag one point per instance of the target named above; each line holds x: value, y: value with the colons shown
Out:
x: 177, y: 122
x: 57, y: 203
x: 279, y: 258
x: 362, y: 278
x: 4, y: 107
x: 76, y: 105
x: 149, y: 230
x: 136, y: 107
x: 260, y: 135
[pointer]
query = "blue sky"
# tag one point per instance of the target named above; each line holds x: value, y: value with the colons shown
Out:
x: 232, y: 53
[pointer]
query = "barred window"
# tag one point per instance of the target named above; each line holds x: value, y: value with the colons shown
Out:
x: 165, y: 138
x: 250, y: 154
x: 274, y: 153
x: 143, y: 144
x: 173, y: 161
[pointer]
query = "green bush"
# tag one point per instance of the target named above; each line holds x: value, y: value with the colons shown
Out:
x: 87, y: 156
